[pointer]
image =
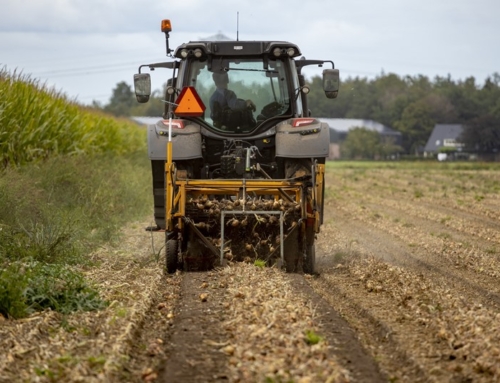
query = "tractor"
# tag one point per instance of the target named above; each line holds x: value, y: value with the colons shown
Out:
x: 237, y: 159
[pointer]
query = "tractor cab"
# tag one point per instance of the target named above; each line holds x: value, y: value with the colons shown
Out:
x: 245, y: 87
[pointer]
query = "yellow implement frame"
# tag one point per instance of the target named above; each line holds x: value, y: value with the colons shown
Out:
x: 177, y: 190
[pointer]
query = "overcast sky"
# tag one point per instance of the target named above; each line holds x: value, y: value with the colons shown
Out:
x: 85, y: 47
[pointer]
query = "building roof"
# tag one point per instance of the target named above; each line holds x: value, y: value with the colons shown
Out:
x: 339, y: 127
x: 441, y: 133
x: 141, y: 120
x: 346, y: 124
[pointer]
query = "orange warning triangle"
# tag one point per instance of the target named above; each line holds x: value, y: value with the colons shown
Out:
x: 189, y: 103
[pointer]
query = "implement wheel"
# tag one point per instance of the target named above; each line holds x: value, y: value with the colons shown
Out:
x: 171, y: 252
x: 309, y: 265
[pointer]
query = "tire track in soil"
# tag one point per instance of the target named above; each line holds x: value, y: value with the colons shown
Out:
x: 192, y: 350
x: 343, y: 339
x: 375, y: 335
x: 377, y: 332
x: 193, y: 346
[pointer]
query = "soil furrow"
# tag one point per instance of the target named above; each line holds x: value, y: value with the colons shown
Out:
x: 193, y: 348
x: 376, y: 335
x: 395, y: 250
x: 344, y: 340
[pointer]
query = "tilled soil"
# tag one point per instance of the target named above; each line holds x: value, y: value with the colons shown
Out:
x: 412, y: 263
x: 408, y: 291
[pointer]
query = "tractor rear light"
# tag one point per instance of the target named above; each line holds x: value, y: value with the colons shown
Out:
x: 300, y: 122
x: 176, y: 124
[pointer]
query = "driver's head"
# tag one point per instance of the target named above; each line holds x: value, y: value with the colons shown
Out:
x: 221, y: 79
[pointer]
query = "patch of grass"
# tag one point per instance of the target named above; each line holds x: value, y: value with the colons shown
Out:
x: 47, y: 229
x: 445, y: 219
x: 58, y: 368
x: 50, y: 242
x: 96, y: 361
x: 340, y: 256
x: 121, y: 312
x: 312, y: 338
x: 418, y: 193
x: 13, y: 285
x: 260, y: 263
x: 36, y: 286
x: 444, y: 236
x: 61, y: 289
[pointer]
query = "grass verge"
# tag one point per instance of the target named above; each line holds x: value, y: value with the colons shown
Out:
x: 52, y: 214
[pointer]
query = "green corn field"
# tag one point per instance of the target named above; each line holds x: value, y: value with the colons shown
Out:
x: 37, y: 122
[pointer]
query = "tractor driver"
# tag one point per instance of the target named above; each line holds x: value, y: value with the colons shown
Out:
x: 226, y: 108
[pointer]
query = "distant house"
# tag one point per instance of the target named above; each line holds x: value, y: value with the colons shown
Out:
x: 340, y: 127
x: 443, y: 141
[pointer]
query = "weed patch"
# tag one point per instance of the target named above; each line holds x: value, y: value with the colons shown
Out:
x: 260, y: 263
x: 36, y: 286
x: 61, y: 289
x: 13, y: 285
x: 312, y: 338
x: 47, y: 228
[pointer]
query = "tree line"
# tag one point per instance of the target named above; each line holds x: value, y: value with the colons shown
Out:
x: 412, y: 105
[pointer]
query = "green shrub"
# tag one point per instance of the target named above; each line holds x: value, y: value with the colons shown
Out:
x: 36, y: 286
x: 52, y: 215
x: 13, y: 285
x: 56, y: 207
x: 61, y: 289
x: 49, y: 242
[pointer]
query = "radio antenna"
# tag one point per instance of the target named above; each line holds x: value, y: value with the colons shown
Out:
x: 237, y: 26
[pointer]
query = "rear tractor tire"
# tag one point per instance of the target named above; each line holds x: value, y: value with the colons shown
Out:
x: 171, y: 253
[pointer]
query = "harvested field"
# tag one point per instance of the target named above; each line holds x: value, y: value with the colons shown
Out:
x: 412, y: 262
x: 409, y: 261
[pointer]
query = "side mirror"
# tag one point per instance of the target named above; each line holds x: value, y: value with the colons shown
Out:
x: 331, y: 82
x: 142, y: 86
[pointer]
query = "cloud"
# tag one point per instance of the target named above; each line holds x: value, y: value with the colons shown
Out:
x: 87, y: 46
x: 78, y: 16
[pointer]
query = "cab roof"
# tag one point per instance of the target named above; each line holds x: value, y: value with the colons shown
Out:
x: 238, y: 48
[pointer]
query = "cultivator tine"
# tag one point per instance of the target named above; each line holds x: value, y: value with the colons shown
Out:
x: 204, y: 239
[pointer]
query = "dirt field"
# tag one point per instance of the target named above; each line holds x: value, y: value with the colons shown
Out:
x: 412, y: 262
x: 408, y: 291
